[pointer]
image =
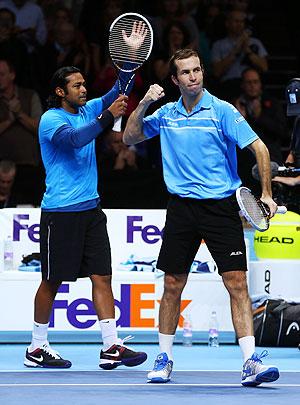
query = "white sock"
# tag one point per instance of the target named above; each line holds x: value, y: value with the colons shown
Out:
x: 247, y: 345
x: 166, y: 344
x: 109, y: 332
x: 39, y: 335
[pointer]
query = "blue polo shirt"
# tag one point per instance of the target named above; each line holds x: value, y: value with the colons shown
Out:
x: 199, y: 148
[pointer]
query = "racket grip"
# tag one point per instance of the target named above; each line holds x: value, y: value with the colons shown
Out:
x: 117, y: 124
x: 281, y: 209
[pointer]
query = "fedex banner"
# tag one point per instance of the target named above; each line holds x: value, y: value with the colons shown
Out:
x: 135, y: 237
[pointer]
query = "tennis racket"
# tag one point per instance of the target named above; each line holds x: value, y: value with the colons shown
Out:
x: 254, y: 210
x: 284, y: 171
x: 130, y: 44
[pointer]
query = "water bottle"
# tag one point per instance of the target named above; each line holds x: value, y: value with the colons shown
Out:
x: 8, y: 254
x: 187, y: 333
x: 213, y: 333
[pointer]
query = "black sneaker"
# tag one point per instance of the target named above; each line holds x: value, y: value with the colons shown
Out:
x: 45, y: 357
x: 120, y: 355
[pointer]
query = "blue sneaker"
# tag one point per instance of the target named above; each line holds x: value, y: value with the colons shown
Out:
x: 255, y: 373
x: 162, y: 369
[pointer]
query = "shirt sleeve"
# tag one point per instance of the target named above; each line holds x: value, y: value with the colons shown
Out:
x: 151, y: 124
x: 64, y: 135
x: 49, y: 124
x: 235, y: 127
x: 261, y: 50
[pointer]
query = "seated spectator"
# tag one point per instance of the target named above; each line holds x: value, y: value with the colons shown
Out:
x: 19, y: 117
x: 61, y: 15
x: 29, y: 20
x: 266, y: 117
x: 105, y: 79
x: 245, y: 7
x: 173, y: 10
x: 118, y: 156
x: 12, y: 48
x: 95, y: 21
x: 263, y: 113
x: 7, y: 177
x: 176, y: 37
x: 127, y: 181
x: 211, y: 25
x: 231, y: 55
x: 291, y: 192
x: 63, y: 50
x: 20, y: 111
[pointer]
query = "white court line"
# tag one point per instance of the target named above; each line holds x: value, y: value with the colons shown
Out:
x: 52, y: 370
x: 139, y: 384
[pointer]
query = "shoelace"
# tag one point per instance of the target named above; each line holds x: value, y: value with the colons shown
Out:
x: 50, y: 351
x: 258, y: 357
x: 161, y: 361
x: 126, y: 339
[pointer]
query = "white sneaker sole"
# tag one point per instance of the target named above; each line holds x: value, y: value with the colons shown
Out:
x: 269, y: 375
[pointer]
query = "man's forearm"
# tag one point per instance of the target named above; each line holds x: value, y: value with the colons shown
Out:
x: 264, y: 168
x: 4, y: 125
x: 133, y: 132
x: 289, y: 181
x: 28, y: 122
x: 258, y: 61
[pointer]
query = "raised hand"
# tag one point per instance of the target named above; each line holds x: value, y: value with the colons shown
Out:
x: 137, y: 36
x: 154, y: 93
x: 119, y: 106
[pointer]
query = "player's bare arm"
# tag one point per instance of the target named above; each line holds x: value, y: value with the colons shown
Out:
x: 133, y: 132
x: 264, y: 168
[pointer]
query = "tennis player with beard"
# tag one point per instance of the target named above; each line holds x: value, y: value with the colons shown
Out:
x: 73, y: 235
x: 199, y: 134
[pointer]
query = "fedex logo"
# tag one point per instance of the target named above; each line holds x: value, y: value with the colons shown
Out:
x: 20, y: 224
x: 149, y: 233
x: 81, y: 314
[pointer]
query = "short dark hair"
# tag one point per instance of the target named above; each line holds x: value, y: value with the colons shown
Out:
x: 7, y: 166
x: 179, y: 25
x: 9, y: 63
x: 11, y: 13
x: 250, y: 69
x: 59, y: 79
x: 179, y: 55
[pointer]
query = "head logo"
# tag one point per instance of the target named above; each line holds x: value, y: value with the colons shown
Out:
x: 294, y: 327
x: 274, y: 239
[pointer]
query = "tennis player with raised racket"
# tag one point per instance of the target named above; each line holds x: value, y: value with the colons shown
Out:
x: 199, y: 134
x: 73, y: 236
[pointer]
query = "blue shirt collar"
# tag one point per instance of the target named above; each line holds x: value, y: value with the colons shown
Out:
x: 203, y: 104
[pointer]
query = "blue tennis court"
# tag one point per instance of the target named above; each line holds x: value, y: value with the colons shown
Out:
x: 201, y: 375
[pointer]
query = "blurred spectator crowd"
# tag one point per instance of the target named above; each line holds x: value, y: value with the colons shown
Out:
x: 38, y: 37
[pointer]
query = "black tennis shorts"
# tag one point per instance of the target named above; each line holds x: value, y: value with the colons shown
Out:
x: 74, y: 244
x: 189, y: 221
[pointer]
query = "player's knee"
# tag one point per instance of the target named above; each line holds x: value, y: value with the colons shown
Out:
x: 174, y: 284
x: 236, y: 283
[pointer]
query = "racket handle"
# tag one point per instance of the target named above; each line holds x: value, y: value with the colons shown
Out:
x: 117, y: 124
x: 281, y: 209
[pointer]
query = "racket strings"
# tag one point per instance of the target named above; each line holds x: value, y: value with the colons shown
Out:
x: 121, y: 53
x: 255, y: 210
